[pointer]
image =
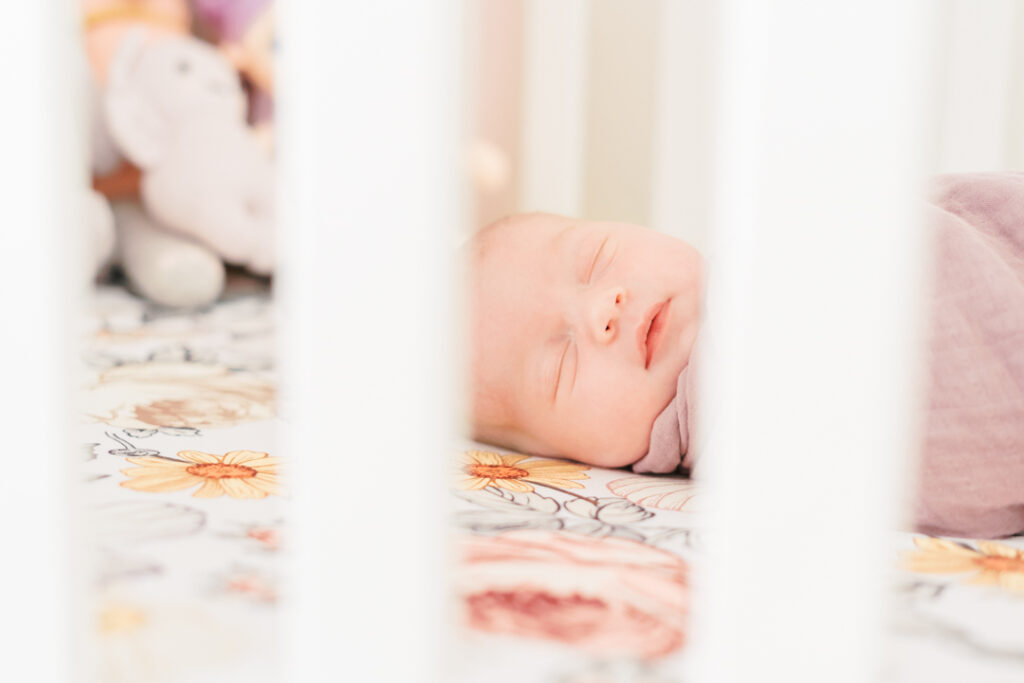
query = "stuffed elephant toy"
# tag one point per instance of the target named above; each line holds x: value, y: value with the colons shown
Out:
x: 167, y: 267
x: 175, y: 108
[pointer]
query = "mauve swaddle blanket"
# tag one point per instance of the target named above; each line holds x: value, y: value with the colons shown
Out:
x: 670, y: 436
x: 971, y: 474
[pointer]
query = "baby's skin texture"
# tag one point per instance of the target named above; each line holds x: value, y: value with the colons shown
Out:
x: 579, y: 332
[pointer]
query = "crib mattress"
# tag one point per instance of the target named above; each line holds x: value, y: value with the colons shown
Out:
x: 563, y: 572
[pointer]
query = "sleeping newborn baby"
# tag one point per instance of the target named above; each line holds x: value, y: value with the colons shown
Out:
x: 583, y: 333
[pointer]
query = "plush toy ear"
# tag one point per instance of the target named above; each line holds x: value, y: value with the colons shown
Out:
x: 135, y: 123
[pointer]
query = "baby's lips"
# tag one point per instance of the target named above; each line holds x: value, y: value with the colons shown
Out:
x: 651, y: 330
x: 643, y: 329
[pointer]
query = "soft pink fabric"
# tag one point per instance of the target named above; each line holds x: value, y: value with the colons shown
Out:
x: 971, y: 474
x: 971, y: 479
x: 671, y: 436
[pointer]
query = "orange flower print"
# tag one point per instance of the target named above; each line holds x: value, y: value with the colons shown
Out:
x: 239, y: 474
x: 517, y: 472
x: 992, y: 564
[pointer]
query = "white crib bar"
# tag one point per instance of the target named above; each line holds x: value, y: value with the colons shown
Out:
x: 44, y: 175
x: 814, y: 321
x: 369, y: 180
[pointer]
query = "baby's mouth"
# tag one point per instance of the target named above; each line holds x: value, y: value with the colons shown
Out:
x: 652, y: 331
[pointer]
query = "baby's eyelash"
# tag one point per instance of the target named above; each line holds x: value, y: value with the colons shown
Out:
x: 570, y: 358
x: 597, y: 257
x: 558, y: 370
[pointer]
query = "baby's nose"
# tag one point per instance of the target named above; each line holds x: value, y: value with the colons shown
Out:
x: 606, y: 311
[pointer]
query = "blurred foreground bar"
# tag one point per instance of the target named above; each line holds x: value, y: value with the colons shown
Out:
x: 369, y: 121
x: 813, y: 334
x: 44, y: 176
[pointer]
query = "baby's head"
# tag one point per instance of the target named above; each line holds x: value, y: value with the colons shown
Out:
x: 579, y: 333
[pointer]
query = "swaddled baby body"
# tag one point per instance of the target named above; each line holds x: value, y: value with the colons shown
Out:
x: 583, y: 335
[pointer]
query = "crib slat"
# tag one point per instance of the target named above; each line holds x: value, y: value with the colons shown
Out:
x: 813, y: 329
x: 44, y: 174
x: 370, y: 104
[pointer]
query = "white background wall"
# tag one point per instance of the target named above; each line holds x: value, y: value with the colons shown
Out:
x: 979, y: 91
x: 639, y: 123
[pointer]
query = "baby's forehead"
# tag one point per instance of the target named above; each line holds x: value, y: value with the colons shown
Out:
x: 516, y: 265
x: 531, y: 230
x: 509, y: 296
x: 526, y: 252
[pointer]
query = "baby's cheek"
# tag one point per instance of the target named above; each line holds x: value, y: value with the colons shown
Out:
x: 612, y: 415
x: 620, y: 434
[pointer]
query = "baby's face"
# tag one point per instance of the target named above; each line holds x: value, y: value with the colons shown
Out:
x: 580, y: 331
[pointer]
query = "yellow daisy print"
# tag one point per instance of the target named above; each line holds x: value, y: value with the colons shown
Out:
x: 239, y: 474
x: 120, y: 618
x: 517, y: 472
x: 992, y: 564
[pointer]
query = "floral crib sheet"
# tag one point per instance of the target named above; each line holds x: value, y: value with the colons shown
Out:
x: 563, y: 572
x: 595, y: 561
x: 181, y: 489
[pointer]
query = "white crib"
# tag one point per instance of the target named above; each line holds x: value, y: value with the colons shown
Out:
x: 797, y: 131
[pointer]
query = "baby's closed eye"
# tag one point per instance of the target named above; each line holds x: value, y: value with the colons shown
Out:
x: 568, y: 366
x: 603, y: 256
